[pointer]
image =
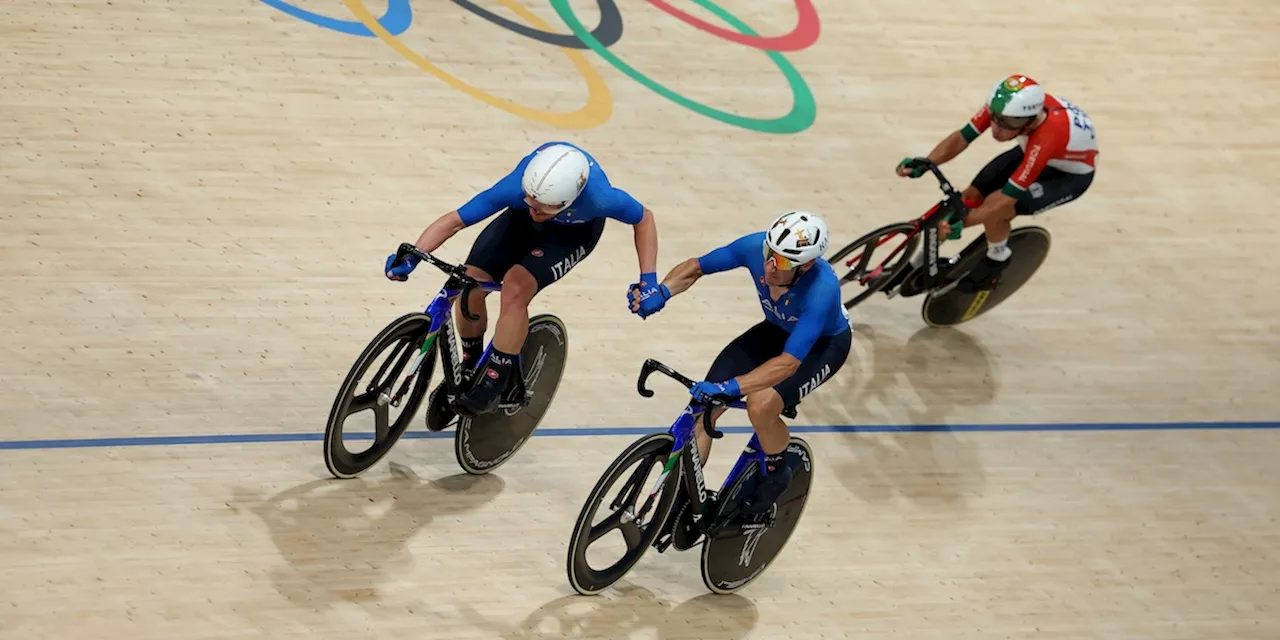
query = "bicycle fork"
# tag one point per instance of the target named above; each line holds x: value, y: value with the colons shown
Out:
x: 394, y: 400
x: 698, y: 488
x: 629, y: 514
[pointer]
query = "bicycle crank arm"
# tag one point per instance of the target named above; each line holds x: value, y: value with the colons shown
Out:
x: 509, y: 403
x: 710, y: 525
x: 945, y: 289
x: 664, y: 541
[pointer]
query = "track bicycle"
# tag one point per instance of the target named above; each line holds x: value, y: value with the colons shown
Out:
x: 413, y: 343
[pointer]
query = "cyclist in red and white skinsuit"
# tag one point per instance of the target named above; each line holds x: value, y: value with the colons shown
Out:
x: 1053, y: 164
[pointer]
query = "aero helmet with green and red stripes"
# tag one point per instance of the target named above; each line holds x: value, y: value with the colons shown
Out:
x: 1016, y: 101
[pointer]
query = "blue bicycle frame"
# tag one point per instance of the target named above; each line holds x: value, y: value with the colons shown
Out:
x: 441, y: 313
x: 682, y: 431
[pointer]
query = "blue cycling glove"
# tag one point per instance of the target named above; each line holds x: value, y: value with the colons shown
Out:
x: 702, y: 391
x: 651, y: 295
x: 400, y: 271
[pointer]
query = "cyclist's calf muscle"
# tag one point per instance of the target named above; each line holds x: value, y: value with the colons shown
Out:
x: 996, y: 213
x: 518, y: 289
x: 764, y: 408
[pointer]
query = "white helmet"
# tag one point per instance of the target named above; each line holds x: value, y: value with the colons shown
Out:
x: 798, y: 236
x: 1016, y: 100
x: 556, y: 175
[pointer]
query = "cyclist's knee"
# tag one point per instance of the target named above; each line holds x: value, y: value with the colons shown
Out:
x: 1002, y: 216
x: 765, y: 404
x: 518, y: 286
x: 972, y: 196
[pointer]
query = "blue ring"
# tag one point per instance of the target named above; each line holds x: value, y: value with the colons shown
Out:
x: 396, y: 20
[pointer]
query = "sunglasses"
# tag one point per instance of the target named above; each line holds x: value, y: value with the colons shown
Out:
x: 542, y: 207
x: 1012, y: 124
x: 781, y: 262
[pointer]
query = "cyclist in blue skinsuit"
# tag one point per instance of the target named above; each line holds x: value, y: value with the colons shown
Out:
x: 554, y: 207
x: 803, y: 340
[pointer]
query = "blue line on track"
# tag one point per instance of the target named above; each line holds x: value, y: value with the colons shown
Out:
x: 155, y: 441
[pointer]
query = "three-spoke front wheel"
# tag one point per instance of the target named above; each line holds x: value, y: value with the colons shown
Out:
x: 620, y: 534
x: 871, y: 261
x: 386, y: 401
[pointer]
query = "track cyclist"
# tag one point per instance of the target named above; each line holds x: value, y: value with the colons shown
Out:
x: 1053, y: 164
x: 803, y: 340
x: 553, y: 206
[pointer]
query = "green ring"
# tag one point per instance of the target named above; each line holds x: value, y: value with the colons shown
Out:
x: 803, y: 110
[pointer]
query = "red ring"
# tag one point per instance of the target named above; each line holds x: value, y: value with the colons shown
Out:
x: 805, y: 33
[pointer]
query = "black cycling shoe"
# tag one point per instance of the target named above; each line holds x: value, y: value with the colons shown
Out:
x: 481, y: 398
x: 771, y: 488
x: 984, y: 277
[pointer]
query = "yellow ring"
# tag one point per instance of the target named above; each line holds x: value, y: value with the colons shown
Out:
x: 599, y: 103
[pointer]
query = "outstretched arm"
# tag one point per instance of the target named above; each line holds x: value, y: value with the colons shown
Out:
x: 646, y: 232
x: 503, y: 194
x: 683, y: 276
x: 722, y: 259
x: 771, y: 372
x: 950, y: 147
x: 954, y: 144
x: 437, y: 232
x: 806, y: 332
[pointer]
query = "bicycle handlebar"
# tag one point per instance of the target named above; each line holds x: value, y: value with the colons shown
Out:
x: 943, y: 183
x: 452, y: 270
x: 652, y: 366
x: 954, y: 206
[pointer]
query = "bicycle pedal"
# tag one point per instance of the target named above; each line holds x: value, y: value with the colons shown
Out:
x: 509, y: 403
x: 663, y: 541
x: 759, y: 521
x: 759, y: 524
x: 946, y: 288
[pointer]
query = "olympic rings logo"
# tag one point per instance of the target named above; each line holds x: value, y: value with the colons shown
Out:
x: 599, y: 105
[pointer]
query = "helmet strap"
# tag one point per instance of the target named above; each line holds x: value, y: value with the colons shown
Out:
x: 1035, y: 122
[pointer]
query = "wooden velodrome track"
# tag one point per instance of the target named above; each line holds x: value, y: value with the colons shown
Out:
x: 196, y: 199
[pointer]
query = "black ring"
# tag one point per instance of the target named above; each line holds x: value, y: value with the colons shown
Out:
x: 608, y: 32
